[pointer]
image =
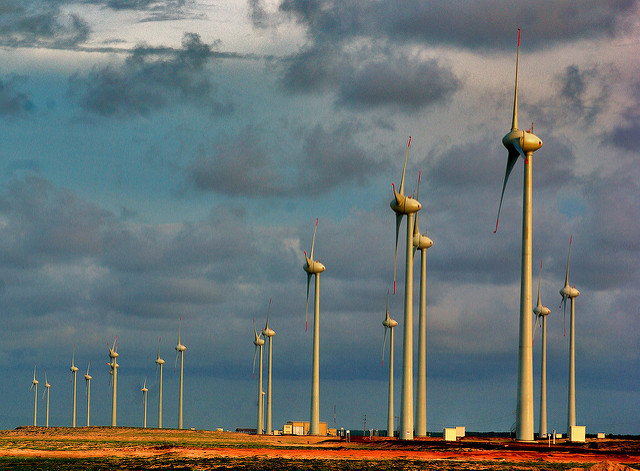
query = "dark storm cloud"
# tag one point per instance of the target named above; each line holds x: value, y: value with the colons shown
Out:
x: 257, y: 14
x: 39, y: 24
x: 408, y: 84
x: 243, y: 164
x: 471, y: 25
x: 332, y: 159
x: 238, y: 165
x: 624, y: 134
x: 147, y: 83
x: 580, y: 97
x: 13, y: 101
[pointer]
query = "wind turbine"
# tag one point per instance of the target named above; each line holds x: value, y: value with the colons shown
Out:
x: 389, y: 323
x: 46, y: 391
x: 87, y: 379
x: 74, y: 371
x: 34, y: 386
x: 180, y: 351
x: 314, y: 267
x: 258, y: 341
x: 405, y: 205
x: 542, y: 312
x: 159, y: 362
x: 571, y: 293
x: 523, y: 144
x: 144, y: 401
x: 113, y: 364
x: 269, y: 333
x: 421, y: 242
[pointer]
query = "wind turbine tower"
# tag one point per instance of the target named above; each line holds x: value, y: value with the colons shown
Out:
x: 405, y: 205
x: 314, y: 267
x: 87, y: 379
x: 389, y: 324
x: 113, y: 364
x: 571, y: 293
x: 180, y: 351
x: 269, y: 333
x: 34, y: 386
x: 74, y: 372
x: 542, y: 312
x: 46, y: 391
x: 523, y: 144
x: 421, y: 242
x: 258, y: 341
x: 144, y: 401
x: 159, y: 362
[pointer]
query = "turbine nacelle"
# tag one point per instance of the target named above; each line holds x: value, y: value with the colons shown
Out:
x: 179, y: 348
x: 389, y: 323
x: 569, y: 292
x: 73, y: 368
x: 313, y: 267
x: 404, y: 204
x: 159, y: 361
x: 541, y: 311
x: 523, y: 142
x: 421, y: 241
x: 268, y: 332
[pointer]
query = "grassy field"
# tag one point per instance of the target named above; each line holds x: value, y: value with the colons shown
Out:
x: 38, y: 448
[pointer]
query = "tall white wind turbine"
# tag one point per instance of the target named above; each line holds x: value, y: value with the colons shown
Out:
x: 405, y: 205
x: 144, y: 402
x: 523, y: 144
x: 113, y: 364
x: 34, y: 386
x: 258, y: 341
x: 269, y: 333
x: 46, y: 391
x: 314, y: 267
x: 541, y: 313
x: 389, y: 324
x: 87, y: 380
x: 159, y: 362
x: 571, y: 293
x: 421, y: 242
x: 180, y: 351
x: 74, y: 372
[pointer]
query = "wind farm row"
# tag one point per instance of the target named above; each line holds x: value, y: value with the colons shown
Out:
x: 113, y: 383
x: 413, y: 420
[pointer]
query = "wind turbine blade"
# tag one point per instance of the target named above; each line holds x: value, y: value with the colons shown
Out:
x: 539, y: 282
x: 566, y: 278
x: 179, y: 328
x: 514, y: 122
x: 511, y: 161
x: 175, y: 365
x: 307, y: 309
x: 255, y: 353
x: 395, y: 258
x: 88, y: 367
x: 384, y: 343
x: 268, y: 312
x: 535, y: 325
x: 404, y: 168
x: 313, y: 241
x: 564, y: 316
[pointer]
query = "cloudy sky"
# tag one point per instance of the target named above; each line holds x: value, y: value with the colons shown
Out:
x: 166, y: 158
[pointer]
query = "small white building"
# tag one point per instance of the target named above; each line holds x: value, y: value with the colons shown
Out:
x: 577, y: 433
x: 449, y: 434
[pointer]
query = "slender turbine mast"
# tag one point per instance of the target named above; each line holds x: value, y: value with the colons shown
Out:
x: 87, y: 379
x: 34, y: 386
x: 571, y: 293
x: 113, y: 364
x: 46, y: 391
x: 421, y: 242
x: 159, y: 362
x: 74, y: 372
x: 269, y: 333
x: 405, y: 205
x: 314, y: 267
x: 541, y: 313
x: 523, y: 144
x: 180, y: 351
x: 144, y: 402
x: 258, y: 341
x: 389, y: 324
